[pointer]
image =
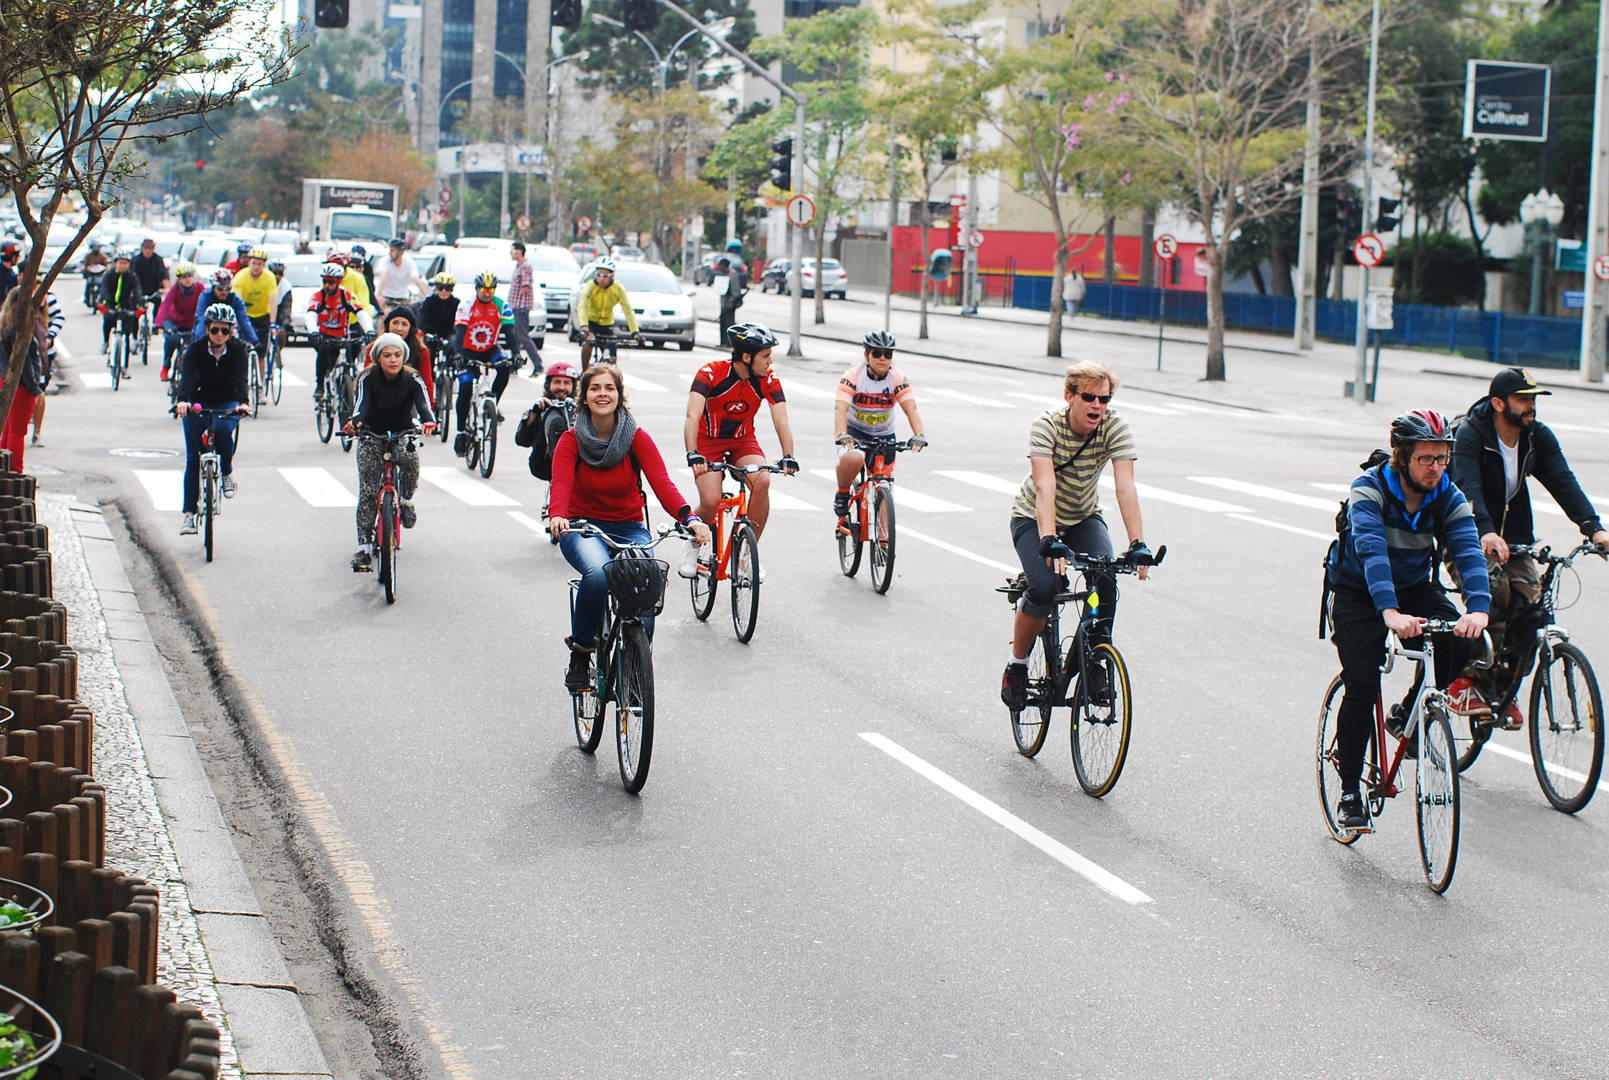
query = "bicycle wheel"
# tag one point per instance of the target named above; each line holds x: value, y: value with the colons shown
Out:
x: 1100, y: 729
x: 256, y: 388
x: 1325, y: 763
x: 702, y: 585
x: 209, y: 507
x: 634, y: 706
x: 1436, y: 800
x: 345, y: 404
x: 587, y: 711
x: 1480, y: 729
x: 849, y: 541
x: 386, y: 540
x: 488, y: 435
x: 117, y: 360
x: 882, y: 537
x: 444, y: 412
x: 276, y: 372
x: 745, y: 582
x: 145, y: 342
x: 1030, y: 726
x: 1566, y: 728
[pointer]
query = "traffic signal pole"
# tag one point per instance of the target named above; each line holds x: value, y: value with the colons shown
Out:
x: 796, y: 249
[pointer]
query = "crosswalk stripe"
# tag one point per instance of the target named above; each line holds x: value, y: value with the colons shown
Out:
x: 96, y: 380
x: 464, y: 487
x: 1262, y: 491
x: 166, y: 487
x: 1342, y: 489
x: 318, y: 488
x: 970, y: 399
x: 636, y: 382
x: 292, y: 380
x: 905, y: 530
x: 794, y: 386
x: 982, y: 480
x: 1211, y: 506
x: 905, y: 498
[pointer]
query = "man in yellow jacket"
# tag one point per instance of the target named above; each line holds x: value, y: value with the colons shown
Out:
x: 598, y: 299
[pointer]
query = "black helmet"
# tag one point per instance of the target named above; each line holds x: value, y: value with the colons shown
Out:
x: 637, y: 584
x: 751, y: 337
x: 1421, y: 425
x: 878, y: 339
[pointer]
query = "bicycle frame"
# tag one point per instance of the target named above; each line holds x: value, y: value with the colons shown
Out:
x: 738, y: 504
x: 878, y: 469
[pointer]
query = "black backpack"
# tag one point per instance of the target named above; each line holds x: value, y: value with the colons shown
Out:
x: 1343, y: 526
x: 532, y: 432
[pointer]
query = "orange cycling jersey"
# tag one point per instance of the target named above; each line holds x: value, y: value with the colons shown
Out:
x: 731, y: 401
x: 333, y: 311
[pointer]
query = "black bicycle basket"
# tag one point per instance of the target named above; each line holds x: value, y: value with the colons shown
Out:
x: 637, y: 584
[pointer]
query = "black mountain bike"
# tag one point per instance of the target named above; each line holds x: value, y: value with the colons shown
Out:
x: 445, y: 371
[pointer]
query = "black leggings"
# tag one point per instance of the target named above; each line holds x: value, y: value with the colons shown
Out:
x: 466, y: 388
x: 326, y: 350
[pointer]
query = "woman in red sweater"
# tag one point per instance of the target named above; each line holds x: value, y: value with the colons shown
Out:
x: 598, y: 469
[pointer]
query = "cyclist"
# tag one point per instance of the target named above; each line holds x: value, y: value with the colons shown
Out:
x: 721, y: 406
x: 598, y: 299
x: 93, y: 267
x: 223, y: 292
x: 238, y: 263
x: 54, y: 319
x: 552, y: 417
x: 398, y: 275
x: 1381, y: 575
x: 439, y: 311
x: 401, y: 322
x: 121, y: 300
x: 178, y: 314
x: 152, y: 270
x: 598, y: 469
x: 256, y: 288
x: 1058, y: 512
x: 282, y: 305
x: 10, y: 256
x: 357, y: 258
x: 867, y: 394
x: 334, y: 310
x: 476, y: 331
x: 1494, y: 450
x: 390, y: 395
x: 352, y: 279
x: 212, y: 373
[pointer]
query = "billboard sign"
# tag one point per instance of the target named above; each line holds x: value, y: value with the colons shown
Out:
x: 1507, y: 101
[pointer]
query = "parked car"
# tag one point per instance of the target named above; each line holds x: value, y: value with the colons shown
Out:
x: 288, y: 237
x: 704, y: 272
x: 774, y: 278
x: 834, y: 280
x: 664, y: 313
x: 583, y: 253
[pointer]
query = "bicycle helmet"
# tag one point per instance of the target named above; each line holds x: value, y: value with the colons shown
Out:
x: 878, y: 339
x: 258, y: 253
x: 277, y: 268
x: 751, y: 337
x: 636, y: 583
x: 223, y: 277
x: 358, y: 251
x: 485, y: 280
x: 1421, y: 425
x: 603, y: 264
x: 444, y: 278
x: 219, y: 313
x: 185, y: 269
x: 333, y: 271
x: 734, y: 245
x: 398, y: 242
x: 243, y: 248
x: 560, y: 368
x: 336, y: 257
x: 123, y: 255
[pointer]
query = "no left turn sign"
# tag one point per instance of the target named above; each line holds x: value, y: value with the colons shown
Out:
x: 801, y: 211
x: 975, y: 239
x: 1369, y: 250
x: 522, y: 223
x: 584, y: 223
x: 1600, y: 268
x: 1165, y: 246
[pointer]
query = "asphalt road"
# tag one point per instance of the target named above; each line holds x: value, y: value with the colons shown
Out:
x: 792, y: 898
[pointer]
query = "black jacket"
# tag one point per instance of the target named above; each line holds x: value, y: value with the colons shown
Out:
x: 387, y: 406
x: 1477, y: 469
x: 122, y: 291
x: 206, y: 380
x: 436, y: 316
x: 152, y: 272
x: 33, y: 370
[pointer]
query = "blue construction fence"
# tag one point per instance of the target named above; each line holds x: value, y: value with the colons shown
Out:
x: 1498, y: 336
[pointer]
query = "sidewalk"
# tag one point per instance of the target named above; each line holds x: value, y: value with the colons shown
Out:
x: 216, y: 948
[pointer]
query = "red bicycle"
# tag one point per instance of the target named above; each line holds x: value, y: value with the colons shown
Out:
x: 388, y: 514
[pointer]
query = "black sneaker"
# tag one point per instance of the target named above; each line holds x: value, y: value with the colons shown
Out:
x: 579, y: 677
x: 1014, y: 687
x: 461, y: 444
x: 1099, y: 688
x: 409, y: 515
x: 360, y: 561
x: 1350, y: 814
x: 840, y: 504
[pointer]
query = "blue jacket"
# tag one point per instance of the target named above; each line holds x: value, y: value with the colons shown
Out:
x: 1387, y: 548
x: 243, y: 328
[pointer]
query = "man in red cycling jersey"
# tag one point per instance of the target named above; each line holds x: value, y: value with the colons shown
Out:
x: 334, y: 310
x: 726, y: 395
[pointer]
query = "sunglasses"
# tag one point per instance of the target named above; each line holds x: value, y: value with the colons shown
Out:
x: 1104, y: 399
x: 444, y: 288
x: 882, y: 354
x: 223, y: 330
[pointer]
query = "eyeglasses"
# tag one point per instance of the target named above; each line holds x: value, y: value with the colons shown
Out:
x: 1427, y: 460
x: 1104, y: 399
x: 217, y: 330
x: 881, y: 354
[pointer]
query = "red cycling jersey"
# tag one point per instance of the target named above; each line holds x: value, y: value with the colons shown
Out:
x: 731, y: 401
x: 333, y: 311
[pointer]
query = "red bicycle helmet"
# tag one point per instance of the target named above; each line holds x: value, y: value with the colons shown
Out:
x: 1421, y: 425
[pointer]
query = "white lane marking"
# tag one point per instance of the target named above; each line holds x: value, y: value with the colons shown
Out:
x: 1525, y: 758
x: 292, y: 379
x: 1283, y: 527
x: 1344, y: 489
x: 1264, y: 492
x: 970, y: 399
x: 1038, y: 399
x: 1137, y: 407
x: 318, y: 488
x: 982, y: 480
x: 1207, y: 410
x: 905, y: 498
x: 905, y: 530
x: 528, y: 521
x: 464, y: 487
x: 1096, y: 875
x: 794, y: 386
x: 1211, y: 506
x: 166, y: 487
x: 637, y: 382
x: 96, y: 380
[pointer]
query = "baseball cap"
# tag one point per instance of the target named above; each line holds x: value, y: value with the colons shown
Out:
x: 1514, y: 381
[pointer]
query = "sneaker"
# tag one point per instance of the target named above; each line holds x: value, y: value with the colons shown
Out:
x: 164, y: 375
x: 461, y: 444
x: 409, y: 515
x: 1100, y: 685
x: 1014, y: 687
x: 840, y: 504
x: 1350, y: 813
x: 579, y: 675
x: 689, y: 567
x: 229, y: 487
x: 187, y: 527
x: 360, y: 561
x: 1465, y: 700
x: 1513, y: 719
x: 35, y: 441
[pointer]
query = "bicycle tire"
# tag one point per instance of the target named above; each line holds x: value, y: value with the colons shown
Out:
x: 276, y: 372
x: 1100, y: 730
x: 882, y: 538
x: 345, y: 405
x: 1436, y: 800
x: 324, y: 416
x: 1568, y: 746
x: 703, y: 585
x: 471, y: 432
x: 850, y: 544
x: 1480, y: 730
x: 1043, y: 674
x: 145, y: 341
x: 1326, y: 772
x: 587, y: 714
x: 256, y: 389
x: 385, y: 538
x: 117, y: 360
x: 444, y: 412
x: 488, y: 433
x: 745, y: 582
x: 634, y: 706
x: 209, y: 509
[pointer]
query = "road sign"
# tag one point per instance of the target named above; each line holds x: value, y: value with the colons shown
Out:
x: 522, y: 223
x: 1600, y: 268
x: 801, y: 211
x: 975, y: 239
x: 1369, y: 250
x: 444, y: 199
x: 584, y: 223
x: 1165, y: 246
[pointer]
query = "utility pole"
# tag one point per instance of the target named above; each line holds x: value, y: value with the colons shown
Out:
x: 1592, y: 317
x: 1307, y: 249
x: 969, y: 226
x: 1360, y: 387
x: 893, y: 187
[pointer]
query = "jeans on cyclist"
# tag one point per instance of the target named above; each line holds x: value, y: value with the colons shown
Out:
x: 588, y: 555
x: 130, y: 320
x: 1088, y: 537
x: 1360, y: 641
x: 224, y: 428
x: 502, y: 367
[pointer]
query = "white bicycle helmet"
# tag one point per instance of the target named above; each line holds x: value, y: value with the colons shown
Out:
x: 605, y: 263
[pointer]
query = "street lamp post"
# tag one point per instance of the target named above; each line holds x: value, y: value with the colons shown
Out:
x: 441, y: 110
x: 1541, y: 213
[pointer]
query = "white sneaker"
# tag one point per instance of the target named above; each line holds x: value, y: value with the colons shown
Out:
x: 187, y: 527
x: 689, y: 567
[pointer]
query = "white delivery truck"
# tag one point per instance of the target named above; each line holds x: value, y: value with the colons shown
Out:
x: 343, y: 211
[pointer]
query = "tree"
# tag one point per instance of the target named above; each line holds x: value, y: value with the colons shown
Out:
x: 1222, y: 92
x: 383, y: 156
x: 86, y: 85
x: 617, y: 60
x: 262, y: 163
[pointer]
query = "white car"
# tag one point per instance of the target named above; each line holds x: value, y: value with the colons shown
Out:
x: 289, y: 237
x: 834, y: 280
x: 480, y: 242
x: 664, y: 312
x: 554, y: 275
x: 623, y: 253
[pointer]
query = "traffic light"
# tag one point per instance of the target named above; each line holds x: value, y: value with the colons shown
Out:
x: 938, y: 268
x: 331, y: 14
x: 1349, y: 218
x: 640, y: 15
x: 1386, y: 219
x: 566, y: 13
x: 782, y: 164
x: 200, y: 164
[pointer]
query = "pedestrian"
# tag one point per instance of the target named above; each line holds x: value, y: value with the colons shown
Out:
x: 521, y: 295
x: 399, y: 274
x: 54, y: 321
x: 733, y: 284
x: 22, y: 336
x: 10, y: 255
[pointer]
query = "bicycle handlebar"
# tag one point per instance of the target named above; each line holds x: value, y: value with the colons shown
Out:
x: 388, y: 437
x: 201, y: 410
x: 1126, y: 563
x: 739, y: 471
x: 1544, y: 552
x: 586, y: 528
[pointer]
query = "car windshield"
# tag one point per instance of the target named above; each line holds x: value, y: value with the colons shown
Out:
x: 645, y: 277
x: 465, y: 263
x: 551, y: 259
x: 168, y: 246
x: 360, y: 225
x: 304, y: 275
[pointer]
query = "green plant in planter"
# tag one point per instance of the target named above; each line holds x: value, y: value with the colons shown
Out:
x: 16, y: 1046
x: 13, y: 914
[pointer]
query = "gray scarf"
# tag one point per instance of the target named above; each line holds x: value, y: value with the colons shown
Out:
x: 595, y: 451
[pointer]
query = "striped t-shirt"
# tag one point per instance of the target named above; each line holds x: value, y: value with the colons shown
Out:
x: 1078, y: 460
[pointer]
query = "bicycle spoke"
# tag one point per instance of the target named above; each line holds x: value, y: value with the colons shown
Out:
x: 1566, y: 728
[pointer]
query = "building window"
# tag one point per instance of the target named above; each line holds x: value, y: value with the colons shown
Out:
x: 457, y: 64
x: 1033, y: 30
x: 511, y: 16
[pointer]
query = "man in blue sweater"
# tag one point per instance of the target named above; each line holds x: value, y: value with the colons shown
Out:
x: 1383, y: 578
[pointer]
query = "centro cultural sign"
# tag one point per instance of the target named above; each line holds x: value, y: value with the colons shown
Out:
x: 1506, y: 101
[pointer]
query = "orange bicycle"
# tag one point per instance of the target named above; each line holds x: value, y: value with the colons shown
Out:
x: 871, y: 513
x: 736, y: 553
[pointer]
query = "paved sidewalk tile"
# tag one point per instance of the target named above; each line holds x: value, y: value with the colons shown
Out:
x: 245, y: 951
x: 271, y: 1031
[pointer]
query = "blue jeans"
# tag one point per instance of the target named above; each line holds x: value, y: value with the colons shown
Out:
x: 224, y: 428
x: 588, y: 554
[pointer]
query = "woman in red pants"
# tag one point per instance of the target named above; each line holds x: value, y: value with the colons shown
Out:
x: 22, y: 335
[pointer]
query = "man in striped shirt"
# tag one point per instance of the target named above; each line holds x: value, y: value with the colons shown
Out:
x: 1059, y: 506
